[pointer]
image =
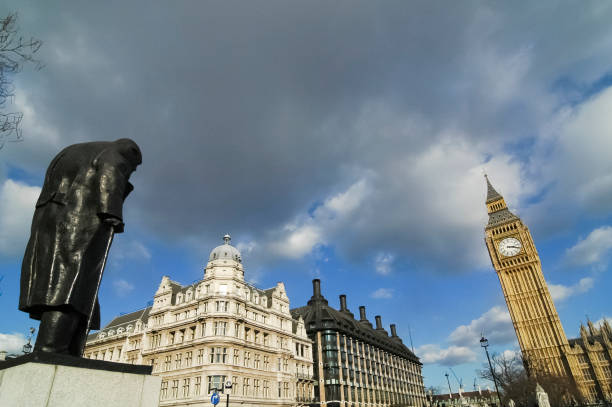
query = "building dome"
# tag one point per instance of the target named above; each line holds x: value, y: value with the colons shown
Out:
x: 225, y: 252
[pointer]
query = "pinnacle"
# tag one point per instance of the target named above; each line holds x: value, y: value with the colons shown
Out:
x: 492, y: 194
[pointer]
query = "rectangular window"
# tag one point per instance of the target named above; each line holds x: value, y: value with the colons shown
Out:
x: 247, y: 358
x: 257, y: 360
x: 203, y: 329
x: 163, y: 394
x: 235, y: 385
x: 216, y: 383
x: 236, y: 357
x: 246, y: 386
x: 167, y: 362
x: 197, y: 386
x: 175, y: 384
x: 256, y: 387
x: 266, y: 363
x: 188, y: 358
x: 186, y: 387
x: 286, y: 389
x: 237, y: 330
x: 266, y: 388
x: 220, y: 328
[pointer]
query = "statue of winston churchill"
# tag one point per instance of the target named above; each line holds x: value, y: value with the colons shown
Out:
x: 76, y: 215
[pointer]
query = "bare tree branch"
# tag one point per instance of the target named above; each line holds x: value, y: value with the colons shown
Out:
x: 514, y: 383
x: 15, y: 51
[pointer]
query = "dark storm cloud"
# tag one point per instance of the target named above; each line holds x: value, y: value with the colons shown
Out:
x: 249, y: 113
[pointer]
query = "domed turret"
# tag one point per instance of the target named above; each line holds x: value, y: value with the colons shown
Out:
x: 225, y: 252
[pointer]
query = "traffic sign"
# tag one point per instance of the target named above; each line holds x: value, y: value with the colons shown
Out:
x: 215, y: 398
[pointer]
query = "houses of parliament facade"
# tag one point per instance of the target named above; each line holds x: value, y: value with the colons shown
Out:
x: 587, y: 360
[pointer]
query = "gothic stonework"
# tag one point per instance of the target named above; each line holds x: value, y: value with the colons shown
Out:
x: 221, y: 328
x: 538, y: 328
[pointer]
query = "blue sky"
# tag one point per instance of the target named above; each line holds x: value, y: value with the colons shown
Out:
x: 342, y: 141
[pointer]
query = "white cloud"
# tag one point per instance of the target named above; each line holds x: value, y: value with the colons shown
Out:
x: 591, y: 250
x: 571, y: 162
x: 495, y: 324
x: 123, y: 251
x: 383, y: 263
x: 300, y: 237
x: 451, y: 356
x: 122, y: 287
x: 511, y: 354
x: 600, y: 321
x: 17, y: 202
x: 383, y: 293
x: 560, y: 292
x: 12, y: 343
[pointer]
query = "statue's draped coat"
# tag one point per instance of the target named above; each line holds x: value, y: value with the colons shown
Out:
x: 84, y: 184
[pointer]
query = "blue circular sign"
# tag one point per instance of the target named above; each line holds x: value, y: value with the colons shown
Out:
x: 214, y: 398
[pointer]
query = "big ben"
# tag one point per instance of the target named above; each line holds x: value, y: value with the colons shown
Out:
x: 515, y: 259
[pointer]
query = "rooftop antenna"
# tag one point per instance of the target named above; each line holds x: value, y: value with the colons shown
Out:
x: 410, y: 336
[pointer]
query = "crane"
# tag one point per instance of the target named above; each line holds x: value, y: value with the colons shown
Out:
x: 460, y: 381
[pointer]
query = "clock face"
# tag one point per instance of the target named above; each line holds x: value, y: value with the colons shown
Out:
x: 510, y: 246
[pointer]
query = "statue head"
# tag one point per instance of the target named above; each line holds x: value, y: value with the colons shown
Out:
x: 130, y: 150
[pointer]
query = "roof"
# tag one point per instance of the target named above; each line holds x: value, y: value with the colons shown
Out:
x: 499, y: 217
x: 492, y: 194
x: 318, y: 315
x: 122, y: 321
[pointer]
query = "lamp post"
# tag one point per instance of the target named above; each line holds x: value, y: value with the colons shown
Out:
x: 27, y: 348
x: 485, y: 344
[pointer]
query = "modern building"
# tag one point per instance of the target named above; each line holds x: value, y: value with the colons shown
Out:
x: 545, y: 348
x: 356, y: 364
x: 199, y: 336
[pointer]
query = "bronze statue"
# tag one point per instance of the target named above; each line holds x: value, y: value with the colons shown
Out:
x: 79, y: 209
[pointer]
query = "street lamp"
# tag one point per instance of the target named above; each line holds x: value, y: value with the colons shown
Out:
x: 27, y: 348
x: 485, y: 344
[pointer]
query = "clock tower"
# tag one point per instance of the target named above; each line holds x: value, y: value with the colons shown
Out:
x: 516, y: 261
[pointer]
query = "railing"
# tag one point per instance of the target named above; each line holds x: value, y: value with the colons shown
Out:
x: 304, y: 376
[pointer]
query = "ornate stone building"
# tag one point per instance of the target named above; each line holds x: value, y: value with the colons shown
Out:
x: 356, y: 364
x: 543, y: 343
x: 476, y: 398
x: 218, y: 329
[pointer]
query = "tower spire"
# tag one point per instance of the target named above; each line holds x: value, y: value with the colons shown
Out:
x: 496, y: 207
x: 492, y: 194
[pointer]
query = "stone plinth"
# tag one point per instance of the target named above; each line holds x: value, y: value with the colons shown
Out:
x: 51, y: 380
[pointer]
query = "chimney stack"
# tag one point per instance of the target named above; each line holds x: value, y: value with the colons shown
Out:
x: 343, y: 303
x: 362, y: 314
x: 378, y: 322
x: 393, y: 331
x: 316, y: 288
